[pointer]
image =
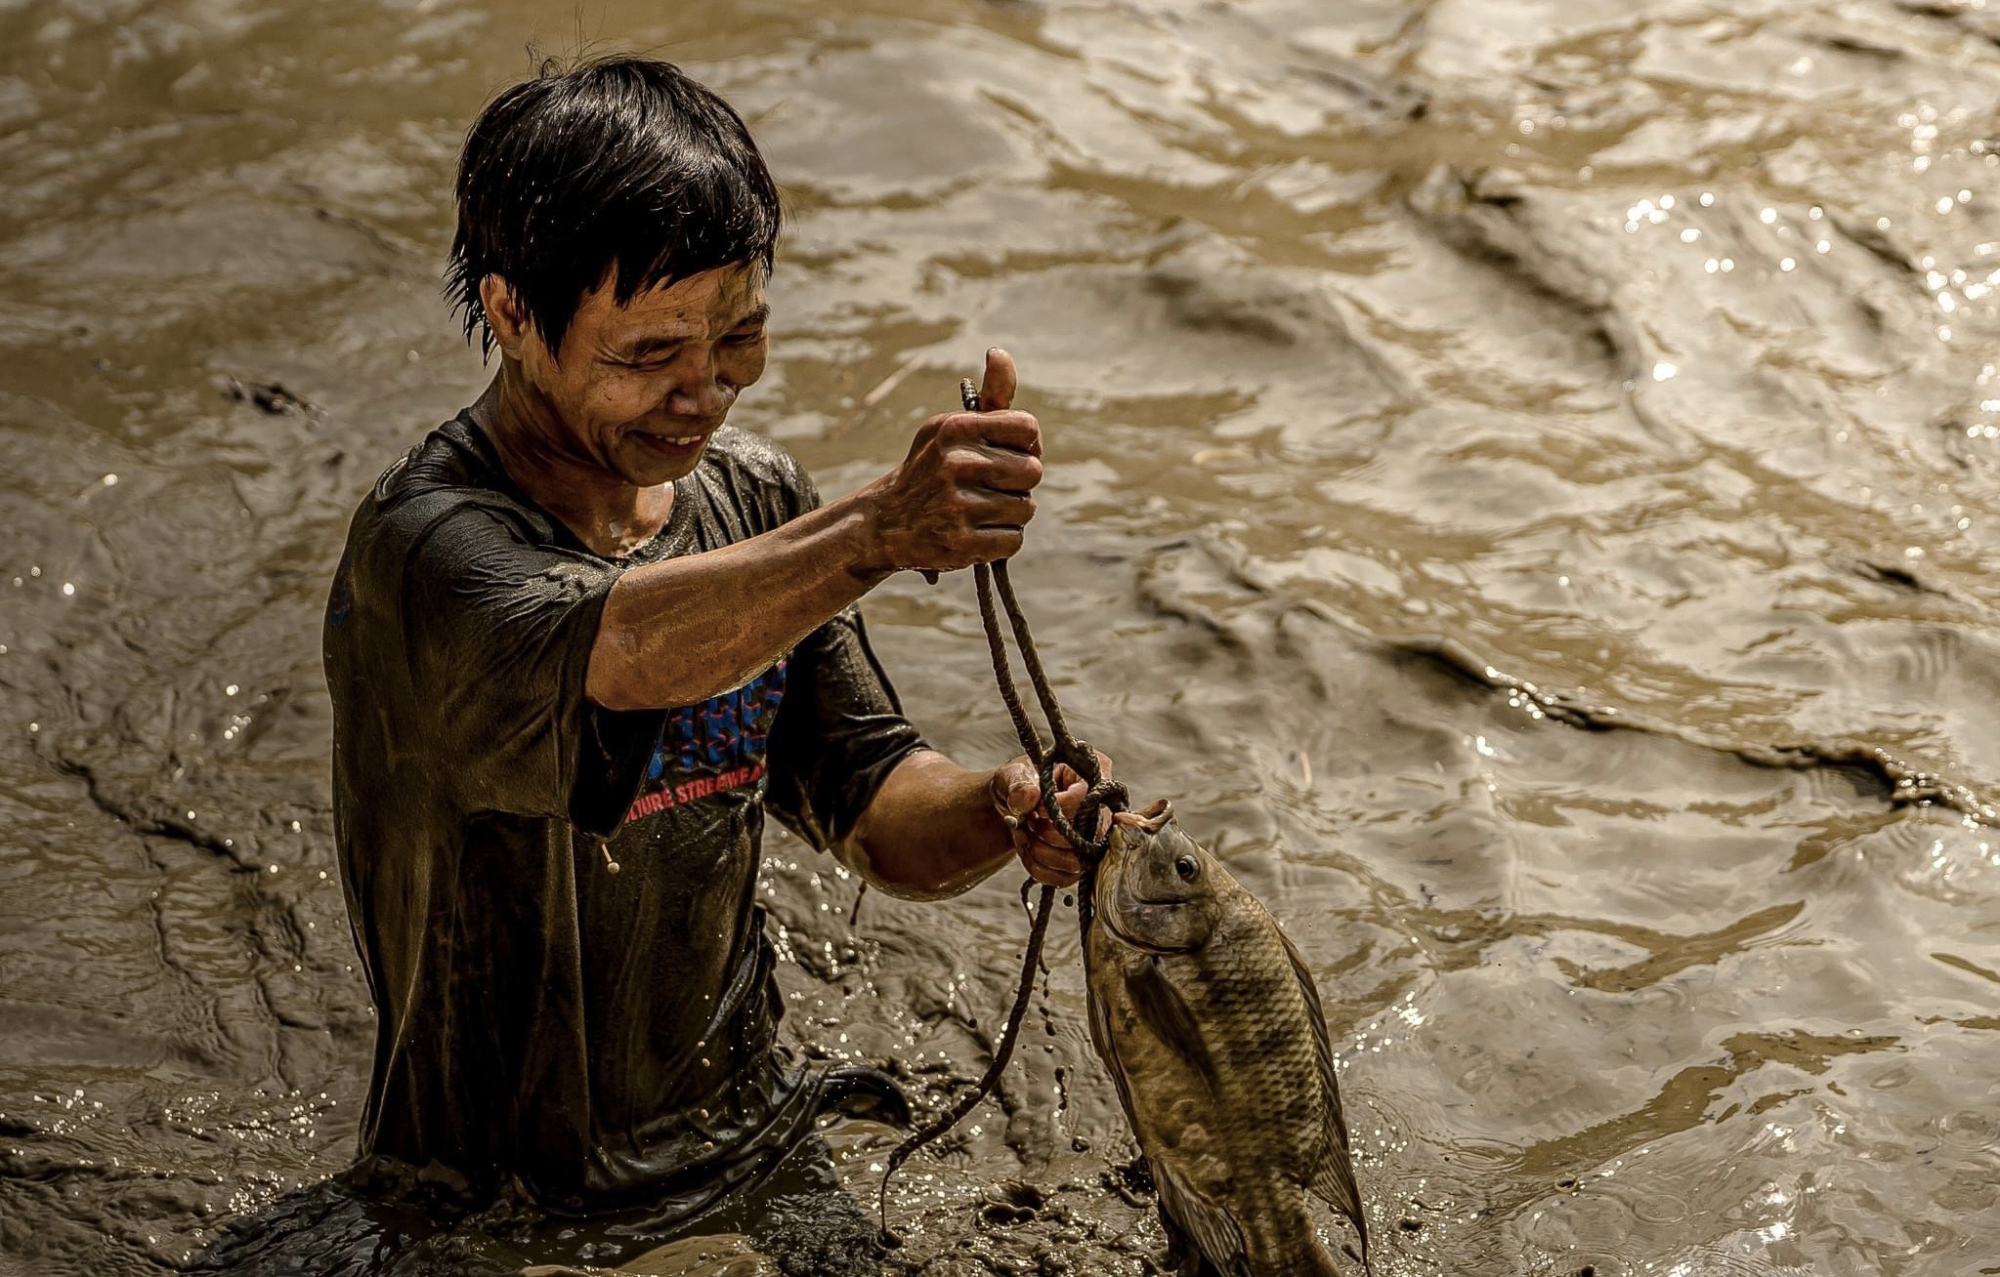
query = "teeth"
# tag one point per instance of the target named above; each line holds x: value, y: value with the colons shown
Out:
x: 684, y: 440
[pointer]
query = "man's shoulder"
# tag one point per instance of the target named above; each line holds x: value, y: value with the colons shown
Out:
x: 748, y: 457
x: 450, y: 471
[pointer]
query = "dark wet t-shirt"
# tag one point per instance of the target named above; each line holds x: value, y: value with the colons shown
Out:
x: 601, y: 1038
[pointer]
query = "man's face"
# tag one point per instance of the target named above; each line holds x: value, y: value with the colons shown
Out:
x: 642, y: 387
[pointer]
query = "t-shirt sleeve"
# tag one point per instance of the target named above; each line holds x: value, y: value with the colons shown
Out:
x: 499, y: 632
x: 839, y: 733
x: 840, y: 730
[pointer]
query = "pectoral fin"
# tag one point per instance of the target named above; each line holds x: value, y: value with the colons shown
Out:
x: 1332, y: 1181
x: 1168, y: 1015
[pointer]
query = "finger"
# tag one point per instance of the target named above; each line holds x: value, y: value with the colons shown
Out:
x: 996, y: 390
x: 981, y: 465
x: 999, y: 510
x: 1064, y: 776
x: 1103, y: 763
x: 1052, y: 865
x: 1071, y: 797
x: 1003, y: 468
x: 988, y: 545
x: 1042, y: 834
x: 1009, y: 431
x: 1038, y: 828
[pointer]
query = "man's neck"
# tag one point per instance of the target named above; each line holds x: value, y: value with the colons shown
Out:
x: 608, y: 514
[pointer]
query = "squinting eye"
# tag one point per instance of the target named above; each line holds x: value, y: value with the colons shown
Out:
x: 1187, y: 867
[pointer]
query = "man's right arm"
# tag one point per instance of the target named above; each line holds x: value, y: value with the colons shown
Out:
x: 682, y: 630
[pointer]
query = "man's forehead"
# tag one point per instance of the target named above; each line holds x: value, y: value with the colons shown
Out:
x: 722, y: 297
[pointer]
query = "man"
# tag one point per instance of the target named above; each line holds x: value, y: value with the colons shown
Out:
x: 584, y: 637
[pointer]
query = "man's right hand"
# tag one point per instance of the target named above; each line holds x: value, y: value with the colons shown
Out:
x: 962, y: 495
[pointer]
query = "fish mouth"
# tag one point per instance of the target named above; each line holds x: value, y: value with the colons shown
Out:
x: 1130, y: 941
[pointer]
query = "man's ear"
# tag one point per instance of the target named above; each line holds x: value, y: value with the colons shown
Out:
x: 505, y: 315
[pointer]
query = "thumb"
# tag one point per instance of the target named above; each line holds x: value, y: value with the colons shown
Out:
x: 996, y: 392
x: 1017, y: 788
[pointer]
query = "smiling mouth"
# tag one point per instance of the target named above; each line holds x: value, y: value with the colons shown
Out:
x: 673, y: 441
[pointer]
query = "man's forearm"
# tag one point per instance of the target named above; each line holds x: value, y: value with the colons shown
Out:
x: 685, y: 629
x: 680, y: 631
x: 931, y: 830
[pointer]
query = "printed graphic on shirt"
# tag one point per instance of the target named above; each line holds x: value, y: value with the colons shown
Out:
x: 712, y: 747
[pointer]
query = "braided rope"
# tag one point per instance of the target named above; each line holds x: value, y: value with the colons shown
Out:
x: 1103, y: 794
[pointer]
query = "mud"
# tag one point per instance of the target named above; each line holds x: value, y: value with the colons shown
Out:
x: 1521, y: 476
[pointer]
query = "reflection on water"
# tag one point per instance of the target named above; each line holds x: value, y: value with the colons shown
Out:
x: 1520, y: 480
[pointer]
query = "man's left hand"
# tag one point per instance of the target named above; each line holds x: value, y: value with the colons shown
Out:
x: 1046, y: 854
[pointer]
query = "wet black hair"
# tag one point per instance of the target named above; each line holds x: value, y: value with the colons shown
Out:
x: 623, y: 161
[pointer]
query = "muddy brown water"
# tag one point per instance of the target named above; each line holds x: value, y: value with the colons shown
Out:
x: 1523, y: 475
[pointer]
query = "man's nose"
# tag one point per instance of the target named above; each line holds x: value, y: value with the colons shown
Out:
x: 699, y: 393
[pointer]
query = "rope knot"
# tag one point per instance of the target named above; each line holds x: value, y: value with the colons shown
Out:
x: 1102, y: 794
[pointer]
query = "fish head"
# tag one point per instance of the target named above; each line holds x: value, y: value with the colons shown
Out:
x: 1158, y: 890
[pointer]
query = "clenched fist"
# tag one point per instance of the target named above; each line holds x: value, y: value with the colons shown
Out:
x: 962, y: 495
x: 1017, y: 793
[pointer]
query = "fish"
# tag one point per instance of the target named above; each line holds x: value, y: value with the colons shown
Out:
x: 1211, y: 1028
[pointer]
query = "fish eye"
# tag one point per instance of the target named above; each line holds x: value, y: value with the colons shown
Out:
x: 1187, y: 867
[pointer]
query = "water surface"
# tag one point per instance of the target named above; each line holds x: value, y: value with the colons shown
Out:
x: 1521, y: 474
